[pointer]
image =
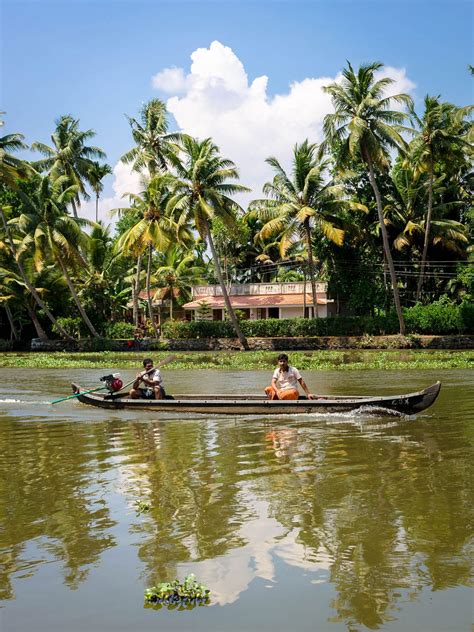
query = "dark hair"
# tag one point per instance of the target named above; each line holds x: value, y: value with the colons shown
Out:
x: 147, y: 361
x: 283, y: 356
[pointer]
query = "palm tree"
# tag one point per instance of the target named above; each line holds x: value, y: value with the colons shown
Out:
x: 69, y: 156
x: 96, y: 174
x: 11, y: 170
x: 364, y: 127
x: 179, y: 270
x: 201, y: 192
x: 154, y: 228
x: 440, y: 133
x: 301, y: 203
x: 49, y: 231
x: 153, y: 142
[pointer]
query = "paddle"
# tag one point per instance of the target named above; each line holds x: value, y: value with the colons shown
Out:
x: 93, y: 390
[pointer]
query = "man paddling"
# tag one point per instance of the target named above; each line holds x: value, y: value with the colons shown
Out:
x: 152, y: 380
x: 285, y: 381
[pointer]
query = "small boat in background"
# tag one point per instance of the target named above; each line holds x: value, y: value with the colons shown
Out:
x: 409, y: 404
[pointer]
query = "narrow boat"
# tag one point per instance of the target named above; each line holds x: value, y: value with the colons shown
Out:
x: 258, y: 405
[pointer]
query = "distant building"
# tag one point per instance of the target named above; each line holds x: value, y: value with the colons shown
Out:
x: 259, y: 301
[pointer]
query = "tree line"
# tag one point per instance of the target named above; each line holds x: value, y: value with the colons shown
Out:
x: 380, y: 209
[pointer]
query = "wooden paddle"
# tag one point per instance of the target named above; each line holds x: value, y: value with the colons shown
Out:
x: 93, y: 390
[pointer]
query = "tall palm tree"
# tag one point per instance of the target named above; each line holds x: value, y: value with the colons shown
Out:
x: 440, y: 133
x: 202, y: 191
x: 11, y: 170
x: 49, y: 231
x: 69, y: 156
x: 301, y: 203
x: 154, y: 228
x: 364, y: 127
x: 153, y: 142
x: 96, y: 174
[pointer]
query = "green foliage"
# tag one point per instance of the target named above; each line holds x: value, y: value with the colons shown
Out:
x: 120, y: 330
x: 186, y: 593
x: 318, y: 360
x: 73, y: 326
x: 438, y: 318
x: 141, y: 506
x: 198, y: 329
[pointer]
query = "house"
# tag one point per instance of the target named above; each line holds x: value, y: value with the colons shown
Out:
x: 260, y: 300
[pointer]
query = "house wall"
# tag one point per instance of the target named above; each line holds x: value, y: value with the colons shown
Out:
x: 291, y: 312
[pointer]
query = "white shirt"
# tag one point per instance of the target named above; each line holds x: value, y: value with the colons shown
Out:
x: 288, y: 379
x: 155, y: 377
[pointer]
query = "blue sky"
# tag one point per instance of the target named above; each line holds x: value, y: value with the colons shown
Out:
x: 96, y: 60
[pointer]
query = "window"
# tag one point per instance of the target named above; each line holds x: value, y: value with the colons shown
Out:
x: 273, y: 312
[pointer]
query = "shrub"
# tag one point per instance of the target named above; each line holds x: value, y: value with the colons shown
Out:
x: 73, y: 326
x: 438, y: 318
x: 120, y: 330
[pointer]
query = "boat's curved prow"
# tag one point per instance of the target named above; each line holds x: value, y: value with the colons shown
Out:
x: 429, y: 396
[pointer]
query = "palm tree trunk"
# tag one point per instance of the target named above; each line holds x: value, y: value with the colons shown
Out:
x: 427, y: 231
x: 311, y: 267
x: 97, y: 207
x: 136, y: 292
x: 230, y: 309
x: 150, y: 305
x: 386, y: 245
x: 15, y: 335
x: 30, y: 287
x: 304, y: 291
x: 72, y: 289
x: 74, y: 208
x: 42, y: 335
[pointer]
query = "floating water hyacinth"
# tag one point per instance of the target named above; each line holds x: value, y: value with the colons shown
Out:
x: 141, y: 506
x: 187, y: 594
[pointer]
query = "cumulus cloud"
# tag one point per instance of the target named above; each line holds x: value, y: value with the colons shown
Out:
x: 215, y: 98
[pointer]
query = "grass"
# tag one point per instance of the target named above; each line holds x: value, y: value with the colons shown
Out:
x: 252, y: 360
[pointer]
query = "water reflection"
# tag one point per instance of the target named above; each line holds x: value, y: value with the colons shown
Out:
x: 377, y: 508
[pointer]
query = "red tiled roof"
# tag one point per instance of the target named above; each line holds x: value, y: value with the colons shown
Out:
x: 265, y: 300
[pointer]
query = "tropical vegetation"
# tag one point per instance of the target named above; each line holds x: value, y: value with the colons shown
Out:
x: 380, y: 209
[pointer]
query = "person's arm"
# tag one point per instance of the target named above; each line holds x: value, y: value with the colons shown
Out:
x: 138, y: 379
x: 306, y: 389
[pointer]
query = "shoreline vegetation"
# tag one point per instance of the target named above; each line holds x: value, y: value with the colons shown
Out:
x: 379, y: 209
x: 319, y: 360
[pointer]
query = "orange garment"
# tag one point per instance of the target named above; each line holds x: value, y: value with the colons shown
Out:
x: 290, y: 393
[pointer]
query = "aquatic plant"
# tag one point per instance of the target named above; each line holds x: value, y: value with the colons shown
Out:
x: 188, y: 593
x: 142, y: 506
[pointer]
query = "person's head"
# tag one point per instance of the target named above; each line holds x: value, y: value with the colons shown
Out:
x: 148, y: 364
x: 282, y: 360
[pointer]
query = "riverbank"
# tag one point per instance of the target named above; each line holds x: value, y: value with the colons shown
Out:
x: 252, y: 360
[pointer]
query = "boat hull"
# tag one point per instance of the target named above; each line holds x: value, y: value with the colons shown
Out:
x: 409, y: 404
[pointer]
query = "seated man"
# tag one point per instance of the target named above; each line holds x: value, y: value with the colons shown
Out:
x: 151, y: 378
x: 285, y: 381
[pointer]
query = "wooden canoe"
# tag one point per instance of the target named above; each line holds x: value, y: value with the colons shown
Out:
x: 409, y: 404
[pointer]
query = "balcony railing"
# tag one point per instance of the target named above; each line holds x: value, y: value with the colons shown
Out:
x: 253, y: 289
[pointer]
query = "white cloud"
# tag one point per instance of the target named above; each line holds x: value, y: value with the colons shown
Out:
x: 125, y: 181
x: 216, y: 99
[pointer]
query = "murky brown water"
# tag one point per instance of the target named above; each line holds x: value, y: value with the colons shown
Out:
x: 319, y: 523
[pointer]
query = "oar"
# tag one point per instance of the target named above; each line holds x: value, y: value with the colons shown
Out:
x: 63, y: 399
x: 93, y: 390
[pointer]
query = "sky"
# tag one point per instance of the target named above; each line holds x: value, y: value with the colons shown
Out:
x: 249, y: 74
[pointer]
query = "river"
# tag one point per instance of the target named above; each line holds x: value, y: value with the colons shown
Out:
x: 316, y: 523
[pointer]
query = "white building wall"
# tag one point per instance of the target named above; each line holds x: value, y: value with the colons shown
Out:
x: 291, y: 312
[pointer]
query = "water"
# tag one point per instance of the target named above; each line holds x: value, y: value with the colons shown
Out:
x: 323, y: 522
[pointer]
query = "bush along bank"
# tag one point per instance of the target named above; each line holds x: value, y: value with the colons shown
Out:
x: 439, y: 318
